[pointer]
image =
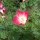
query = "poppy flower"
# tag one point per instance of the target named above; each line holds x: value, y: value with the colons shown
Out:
x: 1, y: 5
x: 3, y: 10
x: 21, y: 17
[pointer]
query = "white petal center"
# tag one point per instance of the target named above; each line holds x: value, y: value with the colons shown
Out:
x: 22, y: 19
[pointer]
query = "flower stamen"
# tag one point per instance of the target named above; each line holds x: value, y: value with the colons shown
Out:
x: 22, y: 20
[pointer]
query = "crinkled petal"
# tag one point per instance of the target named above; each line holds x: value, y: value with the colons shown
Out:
x: 3, y: 10
x: 16, y: 21
x: 1, y: 5
x: 22, y: 13
x: 18, y: 13
x: 25, y: 13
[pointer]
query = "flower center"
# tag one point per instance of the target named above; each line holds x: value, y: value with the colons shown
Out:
x: 22, y: 19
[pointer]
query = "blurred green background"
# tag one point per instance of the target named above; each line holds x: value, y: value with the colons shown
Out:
x: 11, y: 31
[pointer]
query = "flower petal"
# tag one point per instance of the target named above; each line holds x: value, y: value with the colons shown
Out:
x: 16, y: 21
x: 1, y: 5
x: 22, y: 13
x: 18, y: 11
x: 25, y: 13
x: 3, y: 10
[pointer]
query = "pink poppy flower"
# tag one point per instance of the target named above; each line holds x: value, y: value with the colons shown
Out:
x: 3, y: 10
x: 21, y: 17
x: 1, y: 5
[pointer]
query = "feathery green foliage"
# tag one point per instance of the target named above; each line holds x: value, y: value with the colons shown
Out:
x: 11, y: 31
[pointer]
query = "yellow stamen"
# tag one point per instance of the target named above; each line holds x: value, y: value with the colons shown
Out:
x: 22, y: 19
